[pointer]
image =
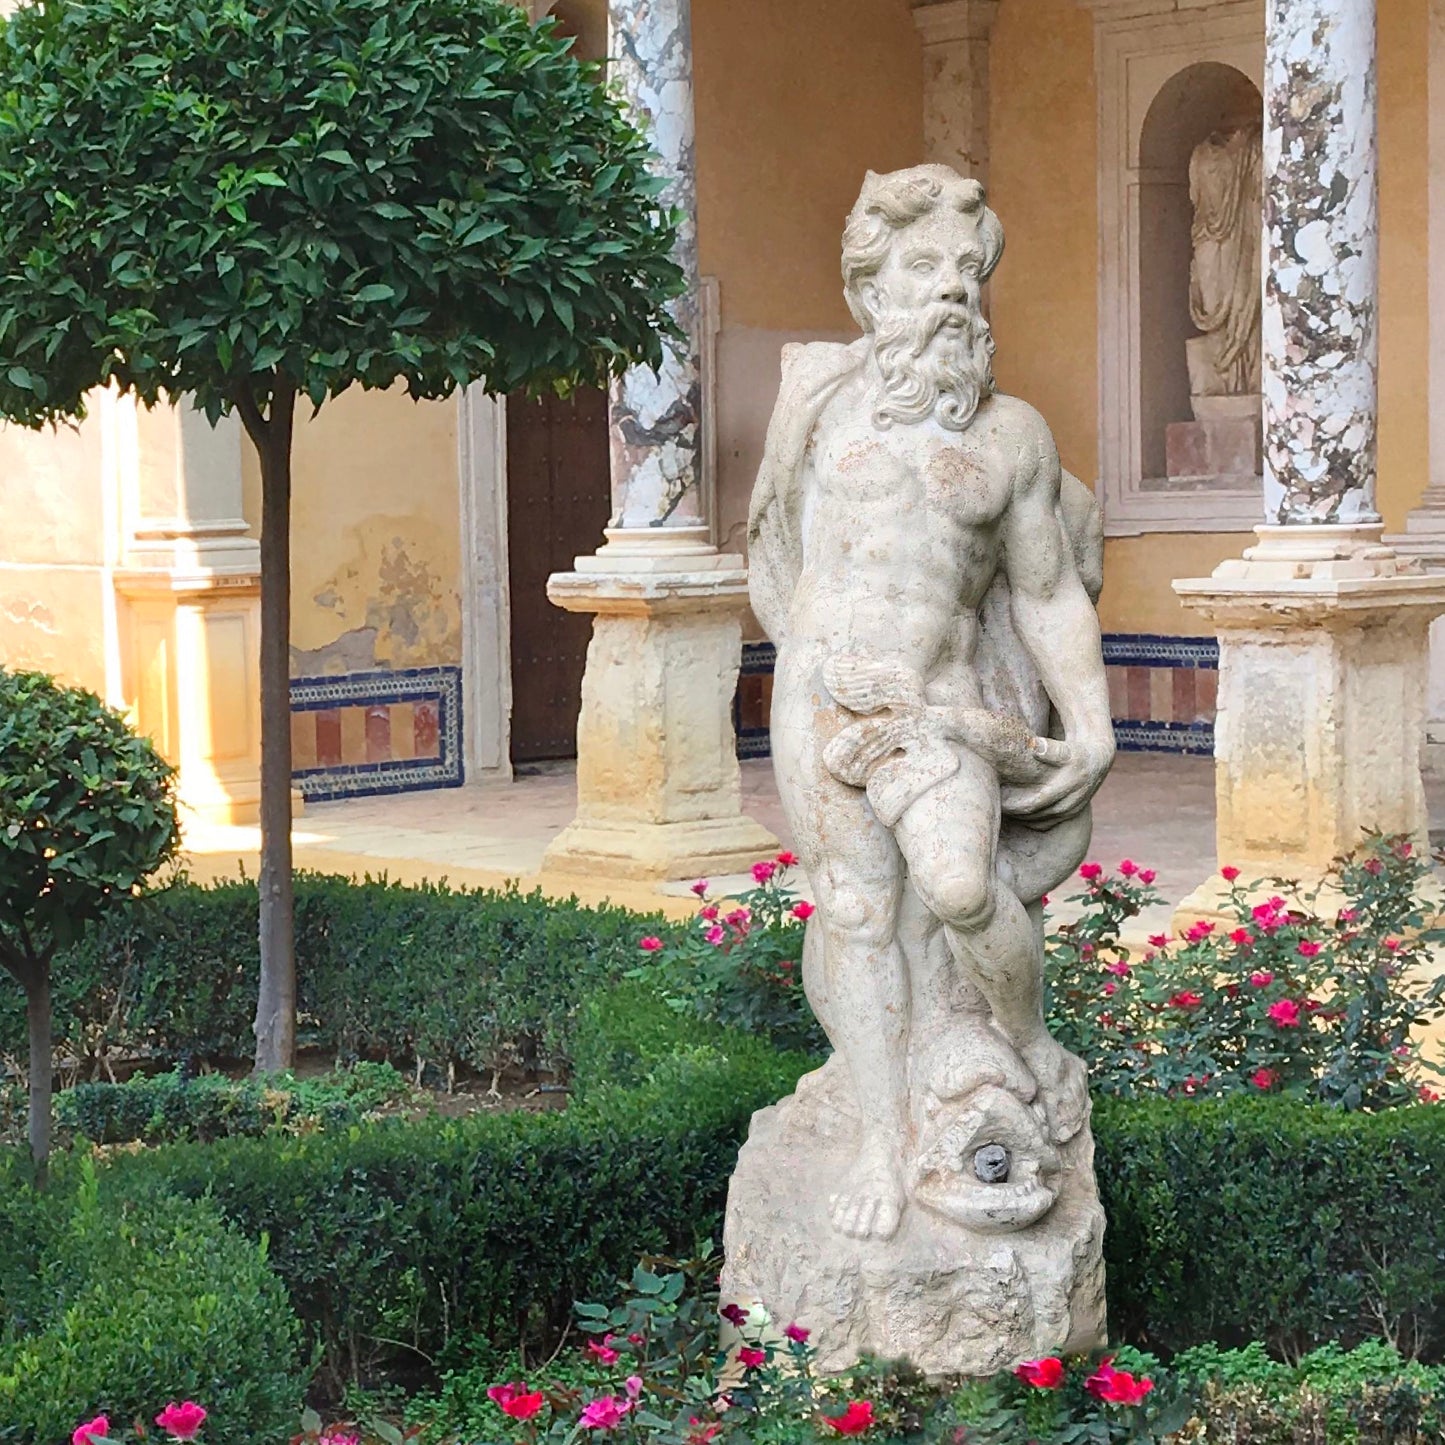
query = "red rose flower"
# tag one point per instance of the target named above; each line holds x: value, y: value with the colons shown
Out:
x: 1229, y: 873
x: 1045, y: 1374
x: 1090, y: 871
x: 855, y: 1420
x: 1284, y: 1013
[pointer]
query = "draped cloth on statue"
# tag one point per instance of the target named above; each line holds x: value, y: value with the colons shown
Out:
x: 1224, y: 279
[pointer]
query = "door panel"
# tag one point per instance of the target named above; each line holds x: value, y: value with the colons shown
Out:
x: 558, y: 502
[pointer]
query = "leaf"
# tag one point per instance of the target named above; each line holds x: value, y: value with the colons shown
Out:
x: 377, y: 291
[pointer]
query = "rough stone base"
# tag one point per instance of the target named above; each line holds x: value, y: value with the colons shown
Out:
x: 951, y: 1298
x: 707, y: 847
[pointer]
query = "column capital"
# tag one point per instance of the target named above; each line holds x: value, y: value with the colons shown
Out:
x: 941, y: 22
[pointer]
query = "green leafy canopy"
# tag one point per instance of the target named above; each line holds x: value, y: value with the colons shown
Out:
x: 87, y: 812
x: 203, y: 197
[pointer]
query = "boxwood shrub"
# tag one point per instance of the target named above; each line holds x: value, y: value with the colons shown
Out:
x: 128, y: 1303
x: 452, y: 977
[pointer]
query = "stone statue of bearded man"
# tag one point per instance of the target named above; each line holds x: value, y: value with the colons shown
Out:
x: 940, y: 722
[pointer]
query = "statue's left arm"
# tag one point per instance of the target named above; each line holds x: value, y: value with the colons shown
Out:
x: 1056, y: 622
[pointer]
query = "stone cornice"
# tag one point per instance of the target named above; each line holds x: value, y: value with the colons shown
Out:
x: 1134, y: 9
x: 941, y: 22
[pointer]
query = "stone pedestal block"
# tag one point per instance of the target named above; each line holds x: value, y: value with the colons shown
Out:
x: 983, y: 1272
x: 1323, y: 660
x: 191, y: 649
x: 1219, y: 447
x: 659, y: 794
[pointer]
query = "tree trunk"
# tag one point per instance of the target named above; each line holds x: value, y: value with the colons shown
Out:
x: 276, y: 1004
x: 42, y: 1079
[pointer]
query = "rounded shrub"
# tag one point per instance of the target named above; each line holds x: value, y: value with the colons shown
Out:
x: 140, y: 1302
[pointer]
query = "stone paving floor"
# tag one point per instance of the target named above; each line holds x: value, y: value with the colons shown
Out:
x: 1154, y: 808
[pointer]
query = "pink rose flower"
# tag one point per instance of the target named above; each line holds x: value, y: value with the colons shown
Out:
x: 1147, y: 876
x: 763, y: 871
x: 1045, y: 1374
x: 97, y: 1429
x: 1307, y: 948
x: 1284, y: 1013
x: 650, y: 944
x: 803, y: 910
x: 1158, y: 940
x: 515, y: 1401
x: 633, y: 1385
x: 1198, y: 932
x: 1262, y: 978
x: 603, y: 1353
x: 1117, y: 1387
x: 709, y: 913
x: 752, y: 1358
x: 1187, y: 999
x: 604, y: 1413
x: 1118, y: 968
x: 182, y: 1421
x: 1229, y: 873
x: 1110, y: 989
x: 700, y: 887
x: 716, y: 934
x: 1128, y: 868
x: 1241, y: 938
x: 1090, y: 871
x: 797, y: 1334
x: 734, y: 1314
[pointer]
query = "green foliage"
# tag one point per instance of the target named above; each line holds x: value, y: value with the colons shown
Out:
x: 740, y: 962
x: 134, y: 1303
x: 398, y: 1238
x: 1240, y: 1219
x: 1316, y: 1003
x: 473, y: 978
x: 224, y: 199
x: 173, y: 1107
x: 87, y: 813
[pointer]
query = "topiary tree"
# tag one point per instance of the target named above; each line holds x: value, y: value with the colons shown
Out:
x: 247, y: 201
x: 87, y: 812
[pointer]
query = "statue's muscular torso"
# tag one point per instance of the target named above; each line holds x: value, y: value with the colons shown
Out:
x: 901, y: 536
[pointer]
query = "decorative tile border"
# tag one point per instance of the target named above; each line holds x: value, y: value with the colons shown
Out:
x: 1162, y: 693
x: 362, y: 733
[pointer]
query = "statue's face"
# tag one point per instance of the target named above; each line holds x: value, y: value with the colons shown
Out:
x: 935, y: 262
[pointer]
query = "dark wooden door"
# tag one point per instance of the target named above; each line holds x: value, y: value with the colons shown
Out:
x: 558, y: 502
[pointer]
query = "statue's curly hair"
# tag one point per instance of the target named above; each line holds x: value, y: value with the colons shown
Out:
x: 889, y: 203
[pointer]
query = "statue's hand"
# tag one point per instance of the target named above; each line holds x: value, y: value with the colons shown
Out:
x: 1069, y: 786
x: 866, y: 685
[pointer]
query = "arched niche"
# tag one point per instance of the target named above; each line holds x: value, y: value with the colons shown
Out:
x: 1203, y: 99
x: 1167, y: 75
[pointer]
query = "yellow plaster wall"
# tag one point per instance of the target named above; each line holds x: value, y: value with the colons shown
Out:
x: 53, y: 589
x: 794, y: 102
x: 376, y: 547
x: 1044, y: 295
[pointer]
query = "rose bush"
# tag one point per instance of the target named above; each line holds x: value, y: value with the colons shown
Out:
x: 1303, y: 995
x: 740, y: 961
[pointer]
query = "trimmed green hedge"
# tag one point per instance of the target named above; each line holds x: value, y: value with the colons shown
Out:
x: 130, y: 1304
x: 472, y: 977
x: 1245, y: 1219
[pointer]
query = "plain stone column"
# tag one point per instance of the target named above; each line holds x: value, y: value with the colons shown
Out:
x: 955, y: 35
x: 1321, y: 275
x: 656, y: 419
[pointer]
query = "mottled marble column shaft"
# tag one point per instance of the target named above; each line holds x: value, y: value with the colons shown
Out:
x: 955, y: 36
x: 1321, y: 201
x: 656, y: 430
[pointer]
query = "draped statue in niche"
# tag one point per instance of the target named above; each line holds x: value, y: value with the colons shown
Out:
x: 1225, y: 189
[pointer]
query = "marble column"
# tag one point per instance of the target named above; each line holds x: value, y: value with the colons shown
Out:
x: 1321, y: 271
x: 659, y: 792
x: 1323, y: 628
x: 190, y: 584
x: 955, y: 35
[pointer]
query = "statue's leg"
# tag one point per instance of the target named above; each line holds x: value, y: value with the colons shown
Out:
x: 950, y: 838
x: 857, y: 981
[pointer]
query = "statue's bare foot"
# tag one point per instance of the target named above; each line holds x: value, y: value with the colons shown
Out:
x: 1063, y: 1086
x: 872, y: 1205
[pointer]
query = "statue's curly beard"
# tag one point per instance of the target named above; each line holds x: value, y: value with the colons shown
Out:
x: 936, y: 361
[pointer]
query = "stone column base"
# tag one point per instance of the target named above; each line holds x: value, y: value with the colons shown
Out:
x: 659, y: 794
x: 1323, y: 653
x: 191, y: 668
